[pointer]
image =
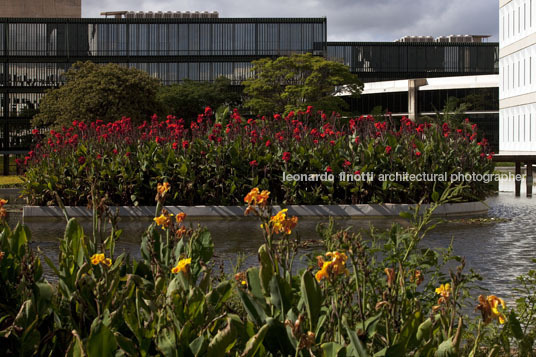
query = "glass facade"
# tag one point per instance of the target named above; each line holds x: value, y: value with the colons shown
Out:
x: 376, y: 61
x: 36, y: 53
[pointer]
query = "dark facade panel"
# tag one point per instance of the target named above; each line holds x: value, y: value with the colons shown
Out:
x: 163, y: 37
x: 375, y: 61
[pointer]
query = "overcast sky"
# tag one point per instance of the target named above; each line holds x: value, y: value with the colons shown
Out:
x: 348, y: 20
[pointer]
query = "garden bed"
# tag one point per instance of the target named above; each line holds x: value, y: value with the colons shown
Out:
x: 307, y: 158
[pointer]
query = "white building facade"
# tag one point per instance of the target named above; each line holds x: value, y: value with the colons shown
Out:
x: 517, y: 78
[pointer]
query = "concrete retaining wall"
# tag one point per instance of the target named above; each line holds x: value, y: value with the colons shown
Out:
x: 224, y: 212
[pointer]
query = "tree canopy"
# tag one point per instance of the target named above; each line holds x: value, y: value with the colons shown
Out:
x: 189, y: 98
x: 105, y: 92
x: 289, y: 83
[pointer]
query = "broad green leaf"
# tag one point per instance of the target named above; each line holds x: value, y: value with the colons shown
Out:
x: 356, y: 345
x: 312, y: 295
x: 255, y: 342
x: 101, y: 341
x: 331, y: 349
x: 223, y: 341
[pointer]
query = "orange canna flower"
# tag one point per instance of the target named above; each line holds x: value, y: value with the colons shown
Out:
x: 417, y: 277
x: 256, y: 197
x: 180, y: 217
x: 390, y: 276
x: 281, y: 224
x: 163, y: 188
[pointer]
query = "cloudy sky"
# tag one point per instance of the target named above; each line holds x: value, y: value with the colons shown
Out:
x: 348, y: 20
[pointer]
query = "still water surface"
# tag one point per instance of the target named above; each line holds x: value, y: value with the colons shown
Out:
x: 499, y: 251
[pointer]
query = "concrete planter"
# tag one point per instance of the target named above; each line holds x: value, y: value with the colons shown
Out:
x: 225, y: 212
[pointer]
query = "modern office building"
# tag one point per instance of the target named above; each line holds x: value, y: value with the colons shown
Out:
x: 173, y: 46
x: 517, y: 35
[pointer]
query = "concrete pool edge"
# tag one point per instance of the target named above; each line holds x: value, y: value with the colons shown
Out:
x: 225, y: 212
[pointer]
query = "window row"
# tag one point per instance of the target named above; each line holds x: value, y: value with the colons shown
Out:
x: 518, y: 128
x: 516, y: 20
x: 53, y: 74
x: 56, y: 39
x: 517, y: 73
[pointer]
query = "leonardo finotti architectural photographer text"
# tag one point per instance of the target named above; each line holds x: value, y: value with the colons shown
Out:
x: 402, y: 177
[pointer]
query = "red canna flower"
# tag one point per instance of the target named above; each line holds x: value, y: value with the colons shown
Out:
x: 328, y: 169
x: 175, y: 146
x: 346, y: 163
x: 253, y: 163
x: 418, y: 153
x: 185, y: 144
x: 286, y: 156
x: 81, y: 160
x: 268, y: 143
x: 387, y: 149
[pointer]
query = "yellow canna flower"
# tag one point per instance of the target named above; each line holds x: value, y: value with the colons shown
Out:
x: 336, y: 266
x: 182, y: 265
x: 494, y: 302
x: 443, y: 290
x: 2, y: 202
x: 488, y: 306
x: 97, y: 259
x: 163, y: 220
x: 323, y: 272
x: 162, y: 188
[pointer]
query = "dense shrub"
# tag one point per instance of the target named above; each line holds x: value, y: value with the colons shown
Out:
x: 95, y: 91
x: 217, y: 163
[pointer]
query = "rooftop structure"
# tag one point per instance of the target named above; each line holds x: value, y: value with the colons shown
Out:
x: 450, y: 38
